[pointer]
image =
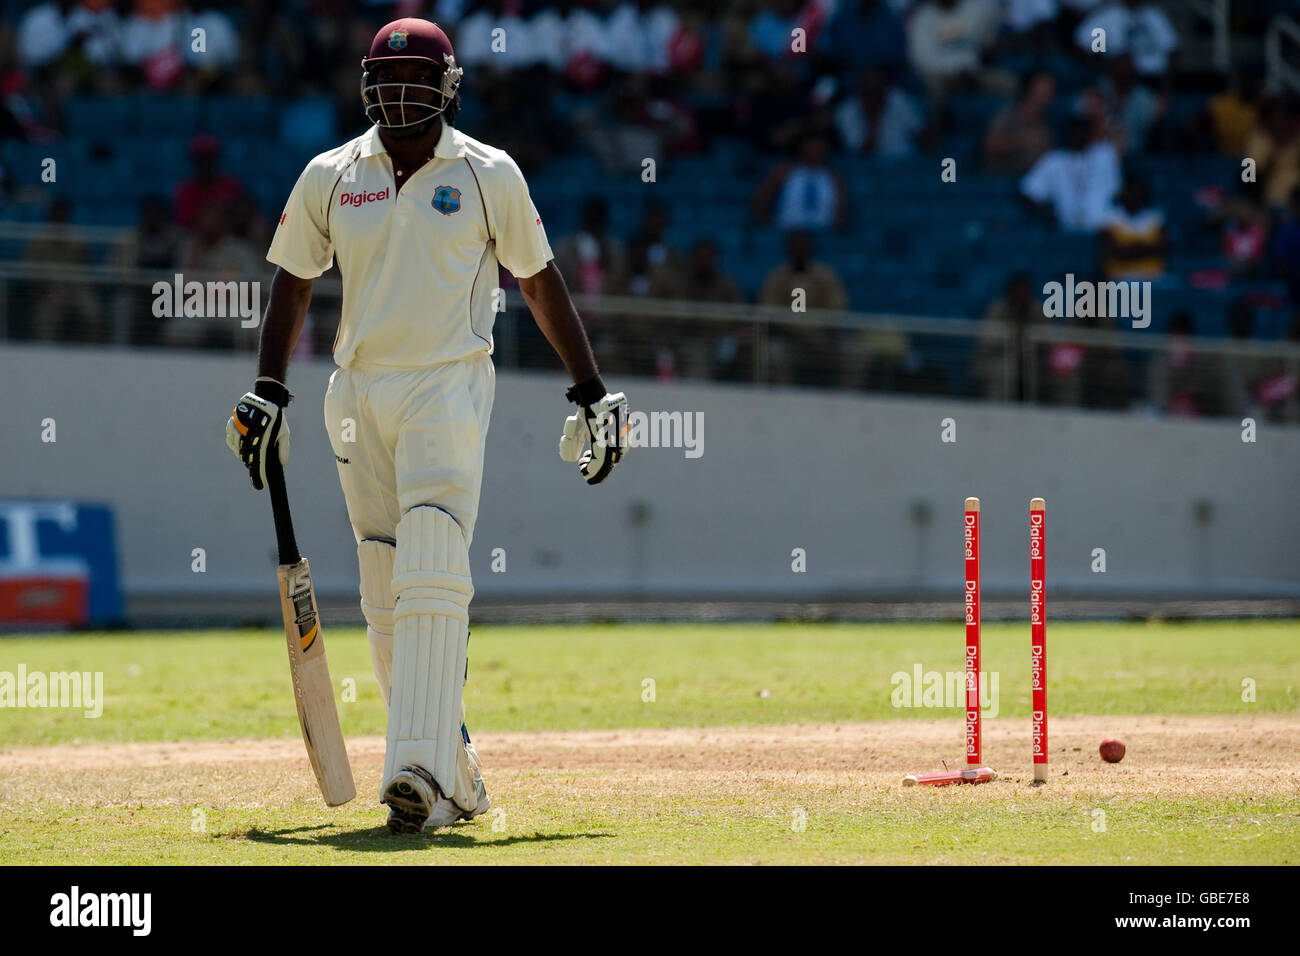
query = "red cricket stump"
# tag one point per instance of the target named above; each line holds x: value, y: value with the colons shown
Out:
x: 972, y: 555
x: 1038, y: 632
x: 971, y: 775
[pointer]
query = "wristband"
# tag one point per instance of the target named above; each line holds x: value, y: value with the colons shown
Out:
x: 273, y: 391
x: 587, y: 393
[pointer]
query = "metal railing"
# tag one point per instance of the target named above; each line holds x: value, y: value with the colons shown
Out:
x: 1282, y: 73
x: 90, y: 235
x: 837, y: 328
x: 758, y: 345
x: 1228, y: 377
x: 118, y: 294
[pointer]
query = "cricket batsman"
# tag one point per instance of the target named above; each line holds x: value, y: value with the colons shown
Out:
x: 418, y: 215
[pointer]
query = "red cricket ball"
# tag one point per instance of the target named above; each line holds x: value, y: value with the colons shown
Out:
x: 1112, y: 751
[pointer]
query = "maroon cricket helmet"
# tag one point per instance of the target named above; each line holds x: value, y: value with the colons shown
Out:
x: 390, y: 104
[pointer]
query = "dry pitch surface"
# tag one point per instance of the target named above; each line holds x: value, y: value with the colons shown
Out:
x: 1192, y: 789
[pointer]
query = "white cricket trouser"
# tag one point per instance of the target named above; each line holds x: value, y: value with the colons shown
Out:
x: 417, y: 439
x: 412, y: 439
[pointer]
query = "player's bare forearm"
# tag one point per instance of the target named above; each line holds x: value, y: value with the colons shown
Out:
x: 553, y: 311
x: 286, y: 312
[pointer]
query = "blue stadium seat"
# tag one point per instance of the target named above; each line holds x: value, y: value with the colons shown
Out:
x: 25, y: 212
x: 155, y: 114
x: 970, y: 114
x: 100, y: 213
x: 158, y: 162
x: 239, y: 116
x: 99, y: 117
x: 23, y: 160
x: 1273, y: 324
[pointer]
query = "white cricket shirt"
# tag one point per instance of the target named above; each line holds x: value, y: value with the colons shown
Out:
x: 419, y: 266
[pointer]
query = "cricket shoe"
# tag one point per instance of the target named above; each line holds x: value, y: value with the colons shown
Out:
x: 411, y: 797
x: 447, y: 812
x: 416, y: 803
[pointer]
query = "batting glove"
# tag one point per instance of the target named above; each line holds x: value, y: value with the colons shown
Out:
x: 596, y: 435
x: 258, y: 423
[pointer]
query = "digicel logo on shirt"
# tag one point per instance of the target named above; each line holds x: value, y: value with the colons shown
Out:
x: 360, y: 199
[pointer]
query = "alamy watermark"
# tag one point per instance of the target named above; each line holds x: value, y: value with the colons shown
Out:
x: 208, y: 300
x: 1121, y: 299
x: 82, y: 690
x: 133, y: 911
x: 661, y: 429
x: 940, y: 689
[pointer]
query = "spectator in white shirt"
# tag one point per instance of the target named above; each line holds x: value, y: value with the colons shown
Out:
x: 162, y: 43
x: 638, y: 34
x: 1076, y: 185
x: 546, y: 41
x: 948, y: 38
x: 807, y: 193
x: 566, y: 35
x: 586, y: 36
x: 1136, y: 27
x: 947, y: 41
x: 220, y: 40
x: 881, y: 120
x: 147, y: 35
x: 477, y: 44
x: 1023, y: 16
x: 52, y: 29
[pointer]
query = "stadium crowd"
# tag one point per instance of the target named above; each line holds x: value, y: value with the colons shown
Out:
x: 798, y: 88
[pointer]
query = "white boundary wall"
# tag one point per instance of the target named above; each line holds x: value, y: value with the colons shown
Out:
x: 1180, y: 507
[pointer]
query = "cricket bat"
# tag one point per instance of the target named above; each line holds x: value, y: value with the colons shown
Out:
x: 313, y: 691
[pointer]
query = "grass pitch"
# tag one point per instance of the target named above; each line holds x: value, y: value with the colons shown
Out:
x: 668, y: 744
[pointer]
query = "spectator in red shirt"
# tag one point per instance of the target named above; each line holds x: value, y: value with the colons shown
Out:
x: 208, y: 186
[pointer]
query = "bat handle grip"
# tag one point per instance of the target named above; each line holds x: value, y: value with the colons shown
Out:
x: 284, y: 539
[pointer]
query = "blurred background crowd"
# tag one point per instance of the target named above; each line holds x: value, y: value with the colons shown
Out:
x: 151, y: 137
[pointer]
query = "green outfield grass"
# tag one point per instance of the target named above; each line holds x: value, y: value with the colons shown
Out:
x: 215, y: 684
x: 1224, y: 796
x: 977, y: 827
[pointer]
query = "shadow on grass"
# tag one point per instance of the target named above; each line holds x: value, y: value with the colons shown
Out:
x: 381, y: 840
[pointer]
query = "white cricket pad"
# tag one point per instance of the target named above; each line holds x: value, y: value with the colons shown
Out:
x: 432, y: 590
